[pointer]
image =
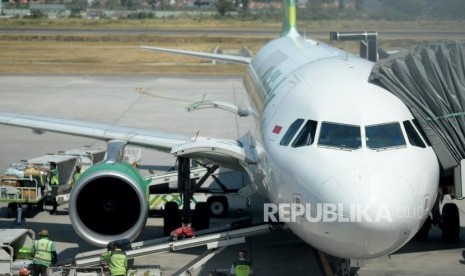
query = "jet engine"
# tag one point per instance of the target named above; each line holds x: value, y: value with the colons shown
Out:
x: 109, y: 203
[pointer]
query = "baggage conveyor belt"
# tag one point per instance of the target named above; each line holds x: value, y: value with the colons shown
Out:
x: 220, y: 238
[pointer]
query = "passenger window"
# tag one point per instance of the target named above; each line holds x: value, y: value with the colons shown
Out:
x: 422, y: 132
x: 413, y: 136
x: 291, y: 132
x: 384, y: 136
x: 306, y: 135
x: 340, y: 136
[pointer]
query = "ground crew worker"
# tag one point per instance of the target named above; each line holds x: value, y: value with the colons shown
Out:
x: 54, y: 185
x: 44, y: 254
x: 76, y: 174
x: 118, y: 262
x: 106, y: 256
x: 241, y: 267
x: 42, y: 175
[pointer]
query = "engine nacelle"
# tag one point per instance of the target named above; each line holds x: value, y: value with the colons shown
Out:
x: 108, y: 203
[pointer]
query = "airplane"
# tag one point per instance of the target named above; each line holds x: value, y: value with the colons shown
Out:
x: 343, y: 160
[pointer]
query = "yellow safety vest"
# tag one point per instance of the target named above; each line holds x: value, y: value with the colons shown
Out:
x: 242, y: 268
x: 75, y: 178
x: 43, y: 251
x: 54, y: 177
x: 118, y: 263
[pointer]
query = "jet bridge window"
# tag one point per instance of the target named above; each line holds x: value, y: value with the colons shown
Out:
x: 291, y: 132
x: 413, y: 136
x: 306, y: 135
x: 340, y: 136
x: 384, y: 136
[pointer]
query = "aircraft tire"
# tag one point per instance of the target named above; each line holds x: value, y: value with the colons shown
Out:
x: 201, y: 216
x: 423, y: 232
x: 29, y: 211
x: 450, y: 222
x: 218, y: 206
x: 171, y: 218
x: 11, y: 210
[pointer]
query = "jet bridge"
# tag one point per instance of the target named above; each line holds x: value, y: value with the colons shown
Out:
x: 368, y: 42
x: 430, y: 80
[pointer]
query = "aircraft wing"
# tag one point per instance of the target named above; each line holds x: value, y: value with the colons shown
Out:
x: 221, y: 57
x: 144, y: 138
x: 219, y: 151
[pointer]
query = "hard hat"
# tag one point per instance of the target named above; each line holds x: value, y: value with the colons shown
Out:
x: 43, y: 233
x: 24, y: 271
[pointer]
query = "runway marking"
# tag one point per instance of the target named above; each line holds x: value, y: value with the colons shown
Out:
x: 148, y: 93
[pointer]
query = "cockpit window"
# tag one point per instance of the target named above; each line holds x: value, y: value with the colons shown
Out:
x: 384, y: 136
x: 306, y: 135
x: 413, y: 136
x: 291, y: 132
x: 340, y: 136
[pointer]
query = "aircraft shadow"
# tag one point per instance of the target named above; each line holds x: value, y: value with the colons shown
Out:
x: 434, y: 243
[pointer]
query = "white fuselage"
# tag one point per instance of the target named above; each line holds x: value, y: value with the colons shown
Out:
x: 383, y: 193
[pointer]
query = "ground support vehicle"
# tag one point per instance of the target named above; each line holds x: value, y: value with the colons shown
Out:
x: 21, y: 191
x: 26, y: 182
x: 15, y: 250
x: 220, y: 190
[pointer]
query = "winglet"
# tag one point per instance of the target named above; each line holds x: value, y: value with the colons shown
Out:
x: 289, y: 18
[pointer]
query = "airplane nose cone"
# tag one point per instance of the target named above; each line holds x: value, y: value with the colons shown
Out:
x: 371, y: 213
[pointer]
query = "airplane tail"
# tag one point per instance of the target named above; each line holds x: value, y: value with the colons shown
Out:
x: 289, y: 29
x: 289, y: 18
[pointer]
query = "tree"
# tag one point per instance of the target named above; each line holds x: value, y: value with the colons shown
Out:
x: 76, y: 6
x: 223, y: 6
x: 412, y: 8
x: 113, y: 5
x: 152, y: 3
x: 128, y: 4
x: 245, y: 4
x: 340, y: 5
x: 164, y: 4
x: 320, y: 9
x: 446, y: 9
x: 358, y: 5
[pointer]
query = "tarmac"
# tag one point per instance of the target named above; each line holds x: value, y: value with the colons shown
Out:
x: 162, y: 106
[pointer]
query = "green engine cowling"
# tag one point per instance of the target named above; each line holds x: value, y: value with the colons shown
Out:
x: 109, y: 202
